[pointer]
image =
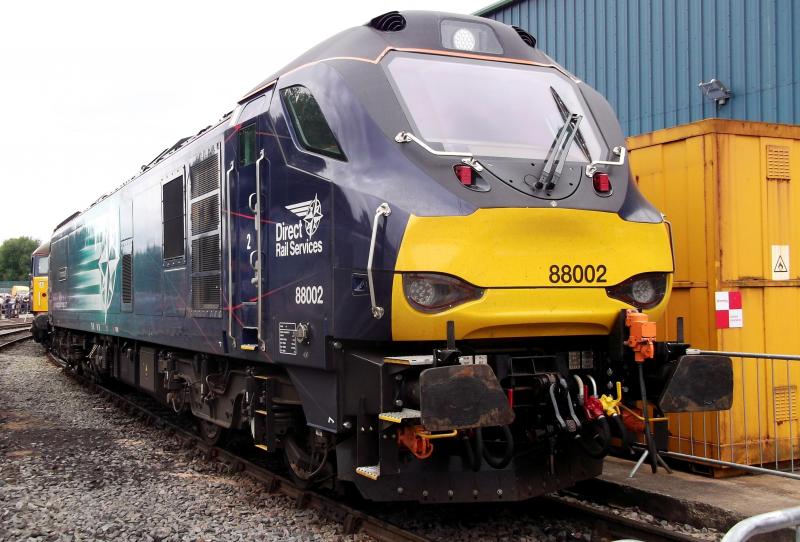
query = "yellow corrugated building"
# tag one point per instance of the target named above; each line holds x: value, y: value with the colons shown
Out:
x: 730, y: 191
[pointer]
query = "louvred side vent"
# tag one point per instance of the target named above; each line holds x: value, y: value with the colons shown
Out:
x: 527, y: 38
x: 389, y: 22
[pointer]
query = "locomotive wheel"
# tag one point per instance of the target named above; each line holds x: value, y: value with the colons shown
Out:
x: 305, y: 466
x: 211, y: 433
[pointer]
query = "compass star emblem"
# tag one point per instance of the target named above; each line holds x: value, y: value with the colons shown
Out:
x: 107, y: 263
x: 313, y: 217
x: 311, y: 213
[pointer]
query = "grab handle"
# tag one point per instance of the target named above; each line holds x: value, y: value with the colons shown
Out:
x: 382, y: 210
x: 619, y: 151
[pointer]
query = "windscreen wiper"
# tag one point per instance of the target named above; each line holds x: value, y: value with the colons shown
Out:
x: 466, y: 157
x: 565, y: 113
x: 554, y: 163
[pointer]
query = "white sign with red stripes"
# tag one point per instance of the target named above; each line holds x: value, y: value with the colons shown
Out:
x: 729, y: 309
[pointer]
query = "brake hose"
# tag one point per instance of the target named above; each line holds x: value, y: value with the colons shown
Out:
x: 600, y: 449
x: 495, y: 462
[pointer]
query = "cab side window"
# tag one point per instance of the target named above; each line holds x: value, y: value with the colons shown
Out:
x: 309, y: 123
x: 247, y: 145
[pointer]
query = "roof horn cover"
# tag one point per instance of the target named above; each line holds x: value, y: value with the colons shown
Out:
x: 389, y: 22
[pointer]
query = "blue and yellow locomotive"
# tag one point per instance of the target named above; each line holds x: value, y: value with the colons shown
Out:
x: 404, y: 260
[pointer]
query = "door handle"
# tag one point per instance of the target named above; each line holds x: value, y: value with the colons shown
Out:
x: 252, y: 204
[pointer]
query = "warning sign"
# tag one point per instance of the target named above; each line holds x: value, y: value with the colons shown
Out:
x: 729, y: 309
x: 780, y: 262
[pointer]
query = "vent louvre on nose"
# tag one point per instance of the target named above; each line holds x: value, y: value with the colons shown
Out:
x: 527, y: 38
x: 389, y: 22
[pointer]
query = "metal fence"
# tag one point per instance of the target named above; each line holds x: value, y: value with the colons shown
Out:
x: 761, y: 431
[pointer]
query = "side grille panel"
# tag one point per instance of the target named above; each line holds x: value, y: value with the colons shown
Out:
x: 205, y: 215
x: 206, y: 254
x: 206, y: 292
x: 127, y: 278
x: 205, y: 176
x: 206, y: 235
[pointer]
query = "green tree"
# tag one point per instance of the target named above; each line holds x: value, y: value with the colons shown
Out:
x: 15, y: 257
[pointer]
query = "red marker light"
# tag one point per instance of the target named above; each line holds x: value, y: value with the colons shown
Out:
x: 602, y: 183
x: 464, y: 174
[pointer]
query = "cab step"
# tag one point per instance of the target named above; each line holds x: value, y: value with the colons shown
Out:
x: 372, y: 472
x: 262, y: 447
x: 410, y: 360
x: 399, y: 416
x: 249, y: 347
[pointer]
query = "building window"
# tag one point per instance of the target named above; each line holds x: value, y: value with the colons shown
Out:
x: 247, y: 145
x: 309, y: 123
x: 174, y: 224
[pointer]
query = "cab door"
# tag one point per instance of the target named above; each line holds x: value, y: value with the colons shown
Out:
x: 247, y: 179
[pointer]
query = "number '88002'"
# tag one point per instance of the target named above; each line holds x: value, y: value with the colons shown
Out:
x: 577, y: 274
x: 308, y: 295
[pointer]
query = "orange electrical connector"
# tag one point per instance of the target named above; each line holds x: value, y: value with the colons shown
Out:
x: 409, y: 437
x: 642, y: 336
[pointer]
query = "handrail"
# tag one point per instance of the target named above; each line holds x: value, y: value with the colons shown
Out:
x: 230, y: 253
x: 259, y: 263
x: 382, y: 210
x: 466, y: 157
x: 696, y: 352
x: 764, y: 523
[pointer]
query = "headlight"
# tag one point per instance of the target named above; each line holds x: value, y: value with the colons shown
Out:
x: 469, y: 36
x: 464, y: 40
x: 433, y: 292
x: 643, y: 291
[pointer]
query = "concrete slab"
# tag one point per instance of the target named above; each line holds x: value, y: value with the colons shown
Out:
x: 693, y: 499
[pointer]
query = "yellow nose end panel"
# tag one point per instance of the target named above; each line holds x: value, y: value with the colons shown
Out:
x: 527, y: 259
x: 39, y: 294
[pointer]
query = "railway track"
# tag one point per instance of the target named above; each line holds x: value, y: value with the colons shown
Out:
x: 604, y: 525
x: 14, y: 335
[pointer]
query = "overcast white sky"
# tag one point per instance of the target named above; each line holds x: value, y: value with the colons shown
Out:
x: 90, y: 91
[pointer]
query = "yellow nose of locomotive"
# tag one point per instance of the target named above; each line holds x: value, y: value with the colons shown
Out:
x: 527, y: 273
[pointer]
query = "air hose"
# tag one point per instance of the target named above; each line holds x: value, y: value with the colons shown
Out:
x: 597, y: 447
x: 494, y: 461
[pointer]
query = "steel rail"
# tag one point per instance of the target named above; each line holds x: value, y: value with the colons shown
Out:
x: 606, y: 523
x: 15, y: 341
x: 353, y: 520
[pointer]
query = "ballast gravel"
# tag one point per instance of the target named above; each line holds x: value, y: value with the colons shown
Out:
x: 74, y: 468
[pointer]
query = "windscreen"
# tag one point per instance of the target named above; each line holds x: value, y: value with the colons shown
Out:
x: 488, y: 108
x: 41, y: 265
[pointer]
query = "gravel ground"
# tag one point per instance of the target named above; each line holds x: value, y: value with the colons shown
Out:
x: 74, y: 468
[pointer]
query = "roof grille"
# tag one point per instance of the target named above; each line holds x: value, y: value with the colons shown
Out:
x: 527, y: 38
x: 389, y: 22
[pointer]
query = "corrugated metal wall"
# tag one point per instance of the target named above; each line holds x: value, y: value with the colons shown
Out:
x: 648, y: 56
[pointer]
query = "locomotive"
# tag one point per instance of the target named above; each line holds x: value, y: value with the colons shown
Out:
x: 413, y: 260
